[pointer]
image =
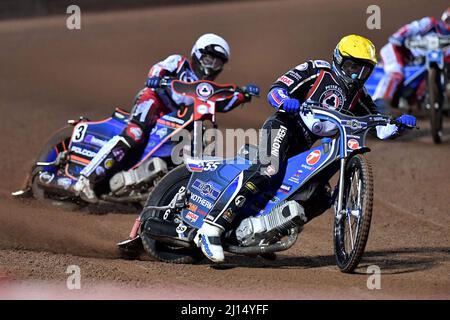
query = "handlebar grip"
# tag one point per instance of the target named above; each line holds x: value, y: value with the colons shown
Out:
x: 165, y: 82
x: 398, y: 124
x: 243, y: 91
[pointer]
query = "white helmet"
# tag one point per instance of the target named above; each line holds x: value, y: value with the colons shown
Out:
x: 209, y: 53
x: 446, y: 18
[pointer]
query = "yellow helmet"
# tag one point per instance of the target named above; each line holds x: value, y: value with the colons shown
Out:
x: 354, y: 59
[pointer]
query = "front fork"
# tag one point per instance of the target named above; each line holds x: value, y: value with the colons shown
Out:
x: 339, y: 210
x: 197, y: 143
x: 199, y: 146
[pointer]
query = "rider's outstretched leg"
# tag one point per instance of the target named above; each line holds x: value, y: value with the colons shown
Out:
x: 112, y: 156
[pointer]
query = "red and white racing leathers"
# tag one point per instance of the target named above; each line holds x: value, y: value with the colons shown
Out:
x: 149, y: 106
x: 395, y: 55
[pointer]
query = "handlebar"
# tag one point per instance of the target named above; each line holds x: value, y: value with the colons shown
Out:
x: 166, y: 82
x: 369, y: 121
x: 243, y: 91
x: 431, y: 42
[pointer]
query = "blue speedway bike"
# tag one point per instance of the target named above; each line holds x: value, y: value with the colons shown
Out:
x: 62, y: 158
x: 176, y: 207
x: 425, y: 80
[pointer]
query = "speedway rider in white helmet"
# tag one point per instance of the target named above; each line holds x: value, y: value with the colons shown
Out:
x: 208, y: 56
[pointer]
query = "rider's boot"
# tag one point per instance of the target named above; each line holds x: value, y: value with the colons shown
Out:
x: 221, y: 216
x: 208, y: 239
x: 104, y: 161
x: 84, y: 190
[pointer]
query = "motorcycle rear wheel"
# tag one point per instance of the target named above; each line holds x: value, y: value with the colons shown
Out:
x: 351, y: 231
x: 42, y: 196
x: 161, y: 195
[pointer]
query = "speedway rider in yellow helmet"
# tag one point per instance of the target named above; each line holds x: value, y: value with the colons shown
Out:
x: 289, y: 131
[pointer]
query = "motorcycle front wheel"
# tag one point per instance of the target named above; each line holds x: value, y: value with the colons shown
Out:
x: 161, y: 195
x: 351, y: 230
x: 436, y: 105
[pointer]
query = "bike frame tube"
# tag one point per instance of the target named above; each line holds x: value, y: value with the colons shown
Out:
x: 198, y: 137
x: 341, y: 188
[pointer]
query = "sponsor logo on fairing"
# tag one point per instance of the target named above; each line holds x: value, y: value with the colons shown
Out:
x: 95, y: 141
x: 109, y: 163
x: 307, y: 167
x: 192, y: 207
x: 192, y: 217
x: 162, y: 132
x: 313, y: 157
x: 285, y: 80
x: 134, y: 132
x: 83, y: 152
x: 206, y: 189
x: 353, y: 144
x: 294, y: 179
x: 198, y: 199
x: 118, y: 154
x: 100, y: 171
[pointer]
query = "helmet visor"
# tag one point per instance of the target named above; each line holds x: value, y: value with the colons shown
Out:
x: 210, y: 62
x: 355, y: 70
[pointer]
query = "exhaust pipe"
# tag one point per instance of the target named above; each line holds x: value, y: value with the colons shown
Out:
x: 271, y: 248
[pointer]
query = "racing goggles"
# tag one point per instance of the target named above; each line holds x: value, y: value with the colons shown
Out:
x: 210, y: 62
x: 355, y: 70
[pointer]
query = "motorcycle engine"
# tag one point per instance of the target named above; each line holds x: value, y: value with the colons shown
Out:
x: 123, y: 181
x: 253, y: 230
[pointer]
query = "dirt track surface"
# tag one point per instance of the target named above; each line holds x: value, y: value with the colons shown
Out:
x: 50, y: 74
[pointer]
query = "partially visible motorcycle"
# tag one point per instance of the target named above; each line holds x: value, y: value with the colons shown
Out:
x: 269, y: 222
x: 58, y: 165
x: 426, y: 80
